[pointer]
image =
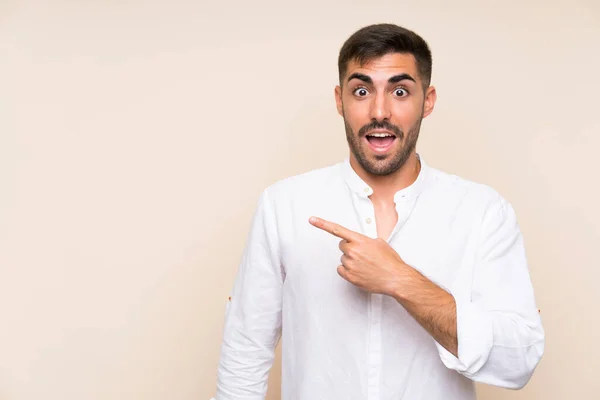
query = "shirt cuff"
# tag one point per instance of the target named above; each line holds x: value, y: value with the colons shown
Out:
x: 475, y: 335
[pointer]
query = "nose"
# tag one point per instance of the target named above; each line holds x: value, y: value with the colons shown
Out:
x: 380, y: 108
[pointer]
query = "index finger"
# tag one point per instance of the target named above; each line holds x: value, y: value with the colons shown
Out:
x: 335, y: 229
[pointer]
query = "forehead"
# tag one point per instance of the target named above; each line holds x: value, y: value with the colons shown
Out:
x: 385, y: 66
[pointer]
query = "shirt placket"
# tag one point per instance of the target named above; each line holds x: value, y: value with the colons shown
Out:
x: 366, y: 213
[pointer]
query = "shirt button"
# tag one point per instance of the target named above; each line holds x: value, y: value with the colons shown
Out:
x: 367, y: 190
x: 368, y: 220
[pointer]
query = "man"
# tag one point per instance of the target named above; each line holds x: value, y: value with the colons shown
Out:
x: 385, y: 278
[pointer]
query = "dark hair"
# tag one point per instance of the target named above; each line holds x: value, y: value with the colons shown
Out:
x: 377, y: 40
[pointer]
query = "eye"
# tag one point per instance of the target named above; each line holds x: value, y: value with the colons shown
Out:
x: 361, y: 92
x: 401, y: 92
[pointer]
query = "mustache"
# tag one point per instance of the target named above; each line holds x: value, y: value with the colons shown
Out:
x: 381, y: 125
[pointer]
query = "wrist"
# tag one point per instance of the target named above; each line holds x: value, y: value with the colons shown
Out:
x: 404, y: 282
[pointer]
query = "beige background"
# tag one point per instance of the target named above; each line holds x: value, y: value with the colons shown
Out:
x: 135, y: 138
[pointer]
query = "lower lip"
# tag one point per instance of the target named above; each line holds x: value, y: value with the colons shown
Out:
x: 381, y: 149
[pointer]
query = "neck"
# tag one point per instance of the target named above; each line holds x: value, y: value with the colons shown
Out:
x: 385, y: 186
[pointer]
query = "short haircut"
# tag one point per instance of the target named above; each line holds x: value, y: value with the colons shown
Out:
x: 375, y: 41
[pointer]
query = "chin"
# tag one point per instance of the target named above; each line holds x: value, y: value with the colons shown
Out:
x: 378, y: 166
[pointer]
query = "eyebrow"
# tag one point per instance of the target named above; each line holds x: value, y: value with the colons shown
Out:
x: 401, y: 77
x: 393, y: 79
x: 362, y: 77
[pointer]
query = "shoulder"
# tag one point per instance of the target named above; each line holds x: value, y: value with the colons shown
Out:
x: 477, y: 197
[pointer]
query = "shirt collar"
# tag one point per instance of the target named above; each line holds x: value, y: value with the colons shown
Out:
x: 358, y: 185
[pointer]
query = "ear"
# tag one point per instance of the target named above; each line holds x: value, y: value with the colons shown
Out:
x: 338, y: 100
x: 429, y: 103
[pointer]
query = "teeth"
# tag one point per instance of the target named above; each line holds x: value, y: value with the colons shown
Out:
x: 380, y: 134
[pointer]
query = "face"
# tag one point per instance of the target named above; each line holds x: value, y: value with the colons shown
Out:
x: 382, y: 103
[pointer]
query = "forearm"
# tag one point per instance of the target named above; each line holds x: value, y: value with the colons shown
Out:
x: 498, y: 348
x: 431, y: 306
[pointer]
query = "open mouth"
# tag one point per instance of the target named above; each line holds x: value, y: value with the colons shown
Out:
x: 380, y: 141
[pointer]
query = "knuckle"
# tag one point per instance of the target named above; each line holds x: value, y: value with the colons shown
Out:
x: 351, y: 252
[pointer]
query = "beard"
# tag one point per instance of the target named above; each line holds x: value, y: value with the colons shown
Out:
x: 383, y: 164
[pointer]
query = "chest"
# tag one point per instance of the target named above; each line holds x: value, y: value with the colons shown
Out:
x: 386, y: 218
x: 427, y: 237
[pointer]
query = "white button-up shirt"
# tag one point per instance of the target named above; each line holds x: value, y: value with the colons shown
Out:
x: 340, y: 342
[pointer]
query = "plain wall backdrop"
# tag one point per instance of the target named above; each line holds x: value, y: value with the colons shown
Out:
x: 136, y: 137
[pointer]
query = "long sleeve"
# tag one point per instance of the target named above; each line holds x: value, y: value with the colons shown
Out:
x: 500, y: 335
x: 253, y: 317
